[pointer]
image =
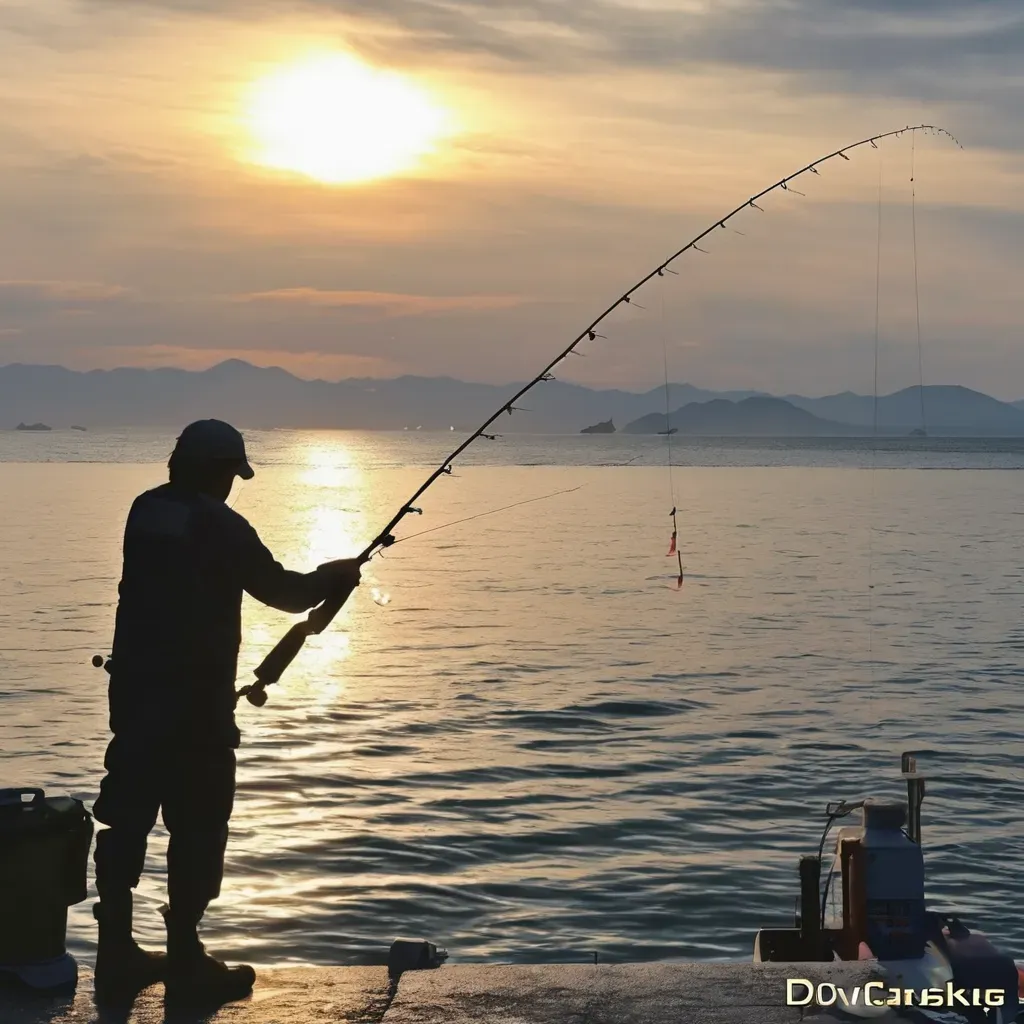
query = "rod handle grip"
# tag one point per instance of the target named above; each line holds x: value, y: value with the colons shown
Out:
x: 272, y: 667
x: 287, y: 648
x: 322, y: 616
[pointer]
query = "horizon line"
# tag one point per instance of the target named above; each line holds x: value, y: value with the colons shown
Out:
x: 752, y: 392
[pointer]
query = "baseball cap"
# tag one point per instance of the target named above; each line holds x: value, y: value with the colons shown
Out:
x: 206, y: 440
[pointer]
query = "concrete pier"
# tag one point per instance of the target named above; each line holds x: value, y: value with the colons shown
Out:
x: 658, y: 993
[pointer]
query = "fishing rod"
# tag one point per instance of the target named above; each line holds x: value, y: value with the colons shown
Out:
x: 274, y: 664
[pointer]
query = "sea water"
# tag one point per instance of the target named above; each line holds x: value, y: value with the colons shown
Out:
x: 531, y: 747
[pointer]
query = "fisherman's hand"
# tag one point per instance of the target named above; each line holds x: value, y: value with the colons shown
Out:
x: 342, y: 573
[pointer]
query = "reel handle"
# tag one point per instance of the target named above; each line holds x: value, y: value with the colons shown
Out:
x: 256, y: 695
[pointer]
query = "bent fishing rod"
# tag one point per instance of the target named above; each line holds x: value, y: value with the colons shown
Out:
x: 284, y: 653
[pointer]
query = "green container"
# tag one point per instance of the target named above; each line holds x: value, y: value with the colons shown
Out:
x: 44, y: 859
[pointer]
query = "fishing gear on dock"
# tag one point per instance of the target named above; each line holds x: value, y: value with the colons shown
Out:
x: 921, y: 957
x: 274, y: 664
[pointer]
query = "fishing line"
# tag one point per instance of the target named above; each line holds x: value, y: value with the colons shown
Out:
x: 492, y: 512
x: 874, y: 430
x: 878, y: 293
x: 673, y: 547
x: 628, y: 462
x: 515, y: 504
x: 917, y: 294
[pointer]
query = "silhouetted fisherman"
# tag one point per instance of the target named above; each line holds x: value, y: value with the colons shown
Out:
x: 187, y: 560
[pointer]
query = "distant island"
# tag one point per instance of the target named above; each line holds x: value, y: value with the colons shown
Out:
x: 606, y: 427
x: 32, y: 426
x: 765, y: 417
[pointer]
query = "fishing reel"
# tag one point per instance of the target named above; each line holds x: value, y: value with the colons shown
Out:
x: 254, y: 693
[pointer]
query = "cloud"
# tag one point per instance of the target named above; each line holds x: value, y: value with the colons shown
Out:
x: 389, y: 304
x: 886, y: 36
x: 963, y: 56
x: 33, y: 297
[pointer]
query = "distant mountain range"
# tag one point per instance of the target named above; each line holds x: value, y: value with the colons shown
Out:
x: 257, y: 397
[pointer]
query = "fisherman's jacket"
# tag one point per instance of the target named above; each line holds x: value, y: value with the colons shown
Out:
x: 187, y: 560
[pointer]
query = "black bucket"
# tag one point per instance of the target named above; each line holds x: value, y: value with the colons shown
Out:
x: 44, y: 860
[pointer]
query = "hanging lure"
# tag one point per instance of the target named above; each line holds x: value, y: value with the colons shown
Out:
x: 673, y: 549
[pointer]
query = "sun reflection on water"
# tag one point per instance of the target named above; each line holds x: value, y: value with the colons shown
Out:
x: 332, y: 533
x: 326, y: 519
x: 336, y: 523
x: 331, y: 465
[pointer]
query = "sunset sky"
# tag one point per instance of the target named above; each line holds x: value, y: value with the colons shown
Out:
x: 356, y: 188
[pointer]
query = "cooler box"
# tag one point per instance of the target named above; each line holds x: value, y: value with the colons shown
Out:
x: 44, y: 857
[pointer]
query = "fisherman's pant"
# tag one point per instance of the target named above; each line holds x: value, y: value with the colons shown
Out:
x: 194, y: 789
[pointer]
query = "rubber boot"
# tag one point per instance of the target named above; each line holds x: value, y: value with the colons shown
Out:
x: 194, y: 978
x: 123, y: 968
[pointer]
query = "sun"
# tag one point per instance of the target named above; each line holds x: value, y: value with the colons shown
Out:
x: 338, y: 121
